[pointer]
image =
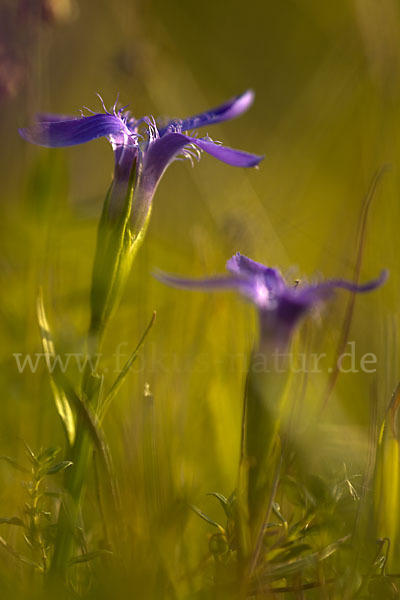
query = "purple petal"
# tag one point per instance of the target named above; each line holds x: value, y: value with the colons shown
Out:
x: 270, y: 278
x: 365, y: 287
x: 206, y: 283
x: 160, y: 153
x: 229, y: 110
x: 326, y: 288
x: 71, y: 132
x: 294, y: 303
x: 243, y: 265
x: 235, y: 158
x: 125, y: 155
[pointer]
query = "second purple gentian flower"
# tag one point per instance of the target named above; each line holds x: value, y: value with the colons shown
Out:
x: 281, y: 306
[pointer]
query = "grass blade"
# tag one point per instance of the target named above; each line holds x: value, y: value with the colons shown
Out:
x: 60, y: 399
x: 362, y: 229
x: 121, y: 377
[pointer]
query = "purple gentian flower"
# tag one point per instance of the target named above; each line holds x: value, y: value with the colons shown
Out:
x: 280, y: 306
x: 143, y: 143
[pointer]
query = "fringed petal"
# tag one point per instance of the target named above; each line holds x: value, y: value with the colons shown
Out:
x: 70, y: 132
x: 229, y: 110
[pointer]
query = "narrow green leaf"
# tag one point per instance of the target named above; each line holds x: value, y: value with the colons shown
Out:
x: 60, y: 398
x: 276, y: 510
x: 348, y: 317
x: 61, y: 466
x: 12, y: 521
x: 28, y: 541
x: 30, y: 453
x: 91, y: 422
x: 48, y: 454
x: 19, y: 556
x: 205, y: 518
x: 292, y: 552
x: 296, y: 566
x: 223, y: 501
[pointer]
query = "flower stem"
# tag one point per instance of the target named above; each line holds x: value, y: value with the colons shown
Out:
x: 261, y: 448
x: 74, y: 486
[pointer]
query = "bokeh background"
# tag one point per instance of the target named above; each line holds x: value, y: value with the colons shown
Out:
x: 326, y: 116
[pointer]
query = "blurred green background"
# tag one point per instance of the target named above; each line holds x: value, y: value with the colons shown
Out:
x: 326, y: 115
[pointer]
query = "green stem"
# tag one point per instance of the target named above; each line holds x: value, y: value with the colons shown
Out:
x: 70, y: 508
x: 74, y: 486
x: 260, y: 453
x: 117, y: 243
